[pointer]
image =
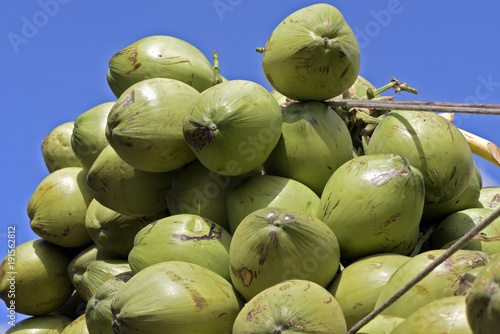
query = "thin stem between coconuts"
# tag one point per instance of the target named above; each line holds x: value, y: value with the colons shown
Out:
x: 395, y: 84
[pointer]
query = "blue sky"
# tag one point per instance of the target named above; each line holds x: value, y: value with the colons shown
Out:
x: 55, y: 53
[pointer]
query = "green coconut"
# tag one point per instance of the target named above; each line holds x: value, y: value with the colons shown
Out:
x: 112, y: 231
x: 374, y: 204
x: 294, y: 306
x: 359, y: 88
x: 444, y: 315
x: 88, y: 138
x: 314, y: 142
x: 125, y: 189
x: 58, y: 205
x: 98, y: 311
x: 483, y: 299
x: 185, y: 237
x: 261, y: 191
x: 197, y: 190
x: 177, y: 296
x: 444, y: 281
x: 381, y: 324
x: 489, y: 197
x: 145, y: 125
x: 98, y: 272
x: 357, y: 287
x: 160, y: 56
x: 33, y: 278
x: 78, y: 326
x: 312, y: 54
x: 459, y: 223
x: 233, y: 127
x: 56, y: 148
x: 79, y: 264
x: 275, y: 244
x: 433, y: 145
x: 468, y: 199
x: 42, y: 324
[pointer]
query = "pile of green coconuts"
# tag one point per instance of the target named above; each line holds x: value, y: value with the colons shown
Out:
x: 197, y: 204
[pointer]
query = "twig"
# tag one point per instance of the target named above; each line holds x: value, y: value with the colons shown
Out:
x: 450, y: 251
x: 468, y: 108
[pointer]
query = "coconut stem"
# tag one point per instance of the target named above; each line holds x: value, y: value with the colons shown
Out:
x: 485, y: 109
x: 259, y: 50
x: 398, y: 87
x: 367, y: 119
x: 421, y: 241
x: 449, y: 252
x: 346, y: 94
x: 218, y: 77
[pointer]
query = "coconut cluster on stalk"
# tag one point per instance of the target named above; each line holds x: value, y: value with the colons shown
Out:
x: 195, y: 203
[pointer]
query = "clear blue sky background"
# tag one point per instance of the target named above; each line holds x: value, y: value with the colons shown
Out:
x: 448, y: 50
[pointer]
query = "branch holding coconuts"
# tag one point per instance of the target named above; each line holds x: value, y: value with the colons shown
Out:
x: 485, y: 109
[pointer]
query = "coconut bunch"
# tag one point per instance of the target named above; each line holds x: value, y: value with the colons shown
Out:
x: 199, y: 204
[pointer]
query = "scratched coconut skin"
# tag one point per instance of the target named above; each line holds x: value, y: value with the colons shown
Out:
x: 312, y: 54
x: 443, y: 281
x: 280, y: 309
x: 159, y: 57
x: 433, y: 145
x: 373, y: 204
x: 275, y: 244
x: 185, y: 237
x: 134, y: 64
x: 181, y: 296
x: 489, y: 197
x: 157, y: 105
x: 455, y: 225
x: 233, y: 127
